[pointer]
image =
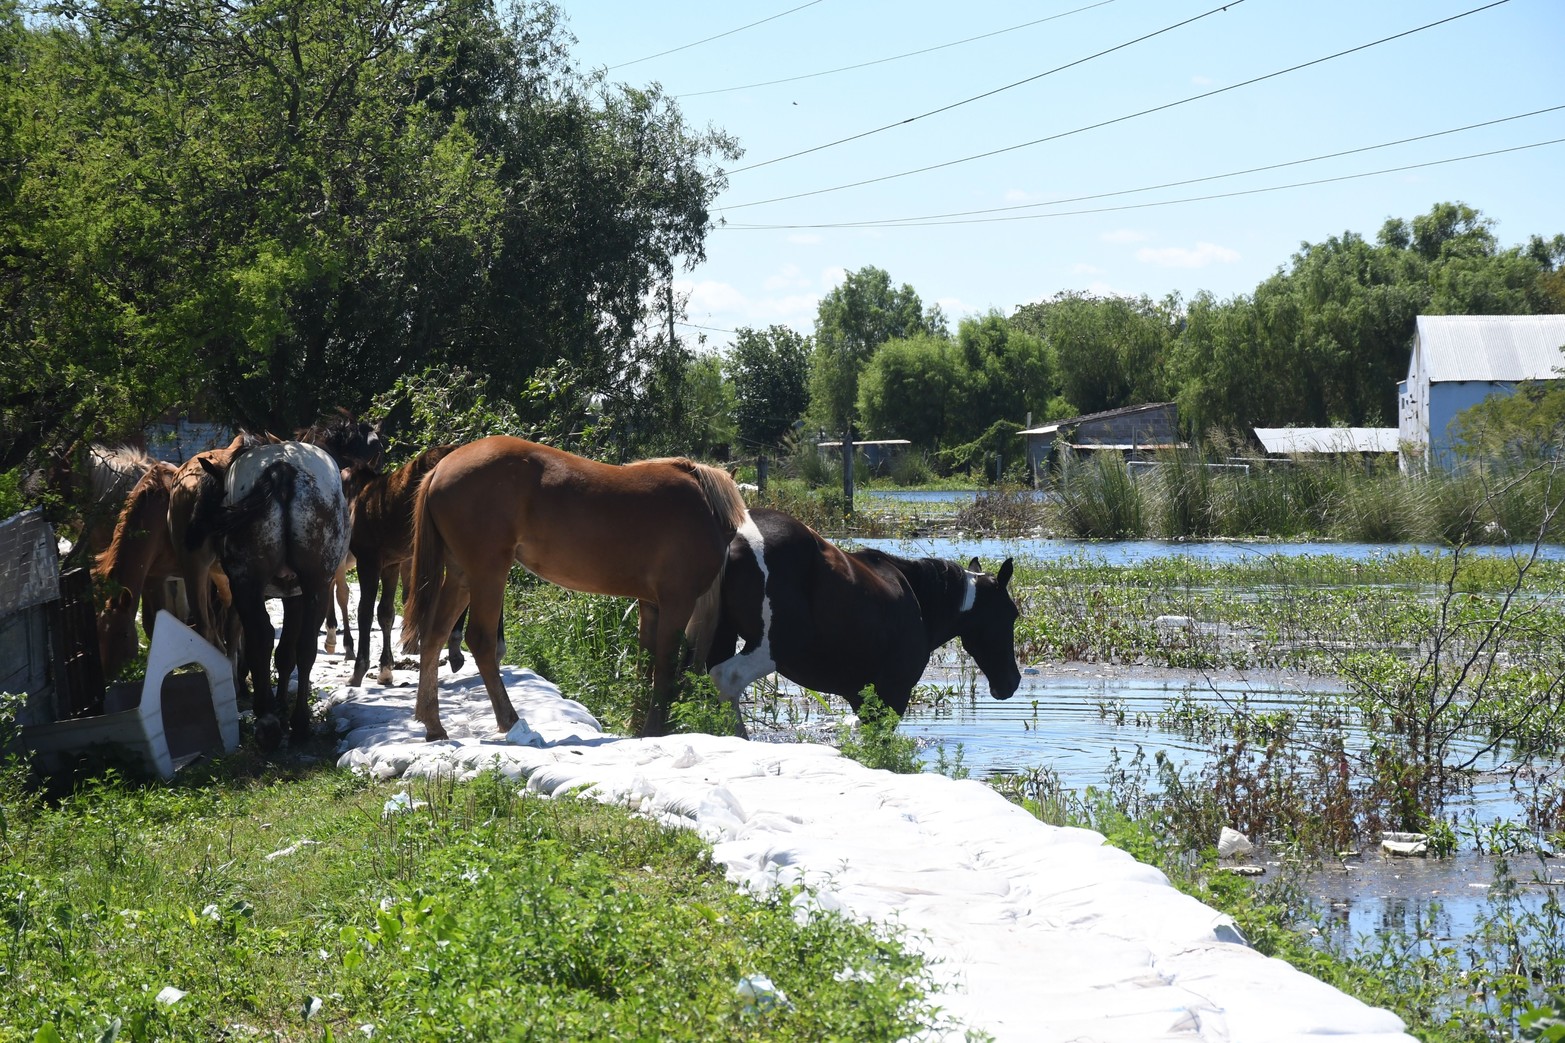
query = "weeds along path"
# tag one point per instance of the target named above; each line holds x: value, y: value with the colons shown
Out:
x: 1037, y: 932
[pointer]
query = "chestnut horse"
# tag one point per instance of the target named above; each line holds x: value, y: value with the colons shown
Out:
x: 279, y: 529
x: 197, y: 559
x: 140, y: 558
x: 840, y: 622
x: 139, y: 555
x: 656, y: 531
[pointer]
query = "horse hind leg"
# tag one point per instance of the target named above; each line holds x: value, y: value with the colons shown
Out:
x: 483, y: 622
x: 386, y: 616
x: 451, y: 599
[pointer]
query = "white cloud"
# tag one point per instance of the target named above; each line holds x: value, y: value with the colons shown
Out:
x: 1202, y: 255
x: 1202, y: 81
x: 1083, y: 268
x: 788, y: 277
x: 805, y: 238
x: 1019, y: 195
x: 1124, y: 235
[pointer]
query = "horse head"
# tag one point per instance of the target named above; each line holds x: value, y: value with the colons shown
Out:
x: 118, y: 638
x: 988, y: 629
x: 349, y: 441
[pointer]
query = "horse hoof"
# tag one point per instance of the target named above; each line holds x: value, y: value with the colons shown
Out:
x: 385, y: 678
x: 435, y: 735
x: 269, y: 733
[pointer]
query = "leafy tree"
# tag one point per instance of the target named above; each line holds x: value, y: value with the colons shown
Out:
x: 769, y: 373
x: 1327, y: 340
x: 911, y: 389
x: 1109, y: 351
x: 852, y: 321
x: 272, y: 207
x: 939, y: 393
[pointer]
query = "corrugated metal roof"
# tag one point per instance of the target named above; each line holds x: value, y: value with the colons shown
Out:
x: 1054, y: 425
x: 1328, y: 439
x: 1492, y: 347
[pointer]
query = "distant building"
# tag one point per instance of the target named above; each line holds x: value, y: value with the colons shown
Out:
x: 1130, y: 430
x: 878, y: 452
x: 1327, y: 441
x: 1460, y: 360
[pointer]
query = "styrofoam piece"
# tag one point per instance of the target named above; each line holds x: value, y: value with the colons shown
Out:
x: 143, y: 728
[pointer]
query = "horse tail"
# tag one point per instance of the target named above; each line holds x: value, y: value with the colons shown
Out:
x: 212, y: 520
x: 428, y: 571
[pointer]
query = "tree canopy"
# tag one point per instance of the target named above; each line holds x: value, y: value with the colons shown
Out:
x: 269, y: 207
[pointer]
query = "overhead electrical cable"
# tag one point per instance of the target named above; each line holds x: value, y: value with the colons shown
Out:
x: 894, y: 57
x: 991, y: 93
x: 719, y: 36
x: 892, y: 222
x: 1161, y: 202
x: 1118, y: 119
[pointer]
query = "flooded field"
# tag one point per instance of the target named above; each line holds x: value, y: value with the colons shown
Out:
x: 1082, y: 721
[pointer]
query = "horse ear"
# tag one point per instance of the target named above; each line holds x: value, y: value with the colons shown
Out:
x: 210, y: 468
x: 1004, y: 575
x: 125, y: 600
x: 973, y: 566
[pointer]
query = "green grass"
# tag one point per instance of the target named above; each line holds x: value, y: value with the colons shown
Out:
x: 482, y: 913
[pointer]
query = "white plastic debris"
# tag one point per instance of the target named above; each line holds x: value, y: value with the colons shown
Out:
x: 1407, y: 845
x: 291, y: 849
x: 760, y: 995
x: 168, y: 995
x: 1231, y: 842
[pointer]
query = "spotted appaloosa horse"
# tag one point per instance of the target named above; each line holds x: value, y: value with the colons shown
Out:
x: 656, y: 531
x: 280, y: 529
x: 838, y: 622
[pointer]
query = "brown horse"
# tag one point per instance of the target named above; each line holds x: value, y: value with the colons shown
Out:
x: 200, y: 559
x: 381, y: 544
x: 140, y: 557
x: 656, y: 531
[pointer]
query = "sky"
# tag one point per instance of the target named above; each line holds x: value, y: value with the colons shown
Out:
x: 990, y: 154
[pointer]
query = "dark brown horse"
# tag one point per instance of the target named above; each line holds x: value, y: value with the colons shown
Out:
x: 656, y: 531
x: 382, y: 543
x: 358, y: 449
x: 840, y: 622
x: 279, y: 529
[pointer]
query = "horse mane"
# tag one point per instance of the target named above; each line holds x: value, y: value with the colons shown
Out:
x: 721, y: 491
x: 112, y: 466
x: 159, y: 478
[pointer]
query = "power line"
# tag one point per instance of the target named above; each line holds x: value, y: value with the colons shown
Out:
x: 697, y: 326
x: 924, y: 219
x: 986, y: 94
x: 894, y: 57
x: 1117, y: 119
x: 719, y: 36
x: 1167, y: 202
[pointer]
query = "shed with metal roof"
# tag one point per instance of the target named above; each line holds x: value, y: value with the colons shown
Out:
x: 1326, y: 441
x: 1459, y: 360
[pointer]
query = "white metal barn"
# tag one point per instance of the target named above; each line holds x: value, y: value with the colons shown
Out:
x: 1457, y: 362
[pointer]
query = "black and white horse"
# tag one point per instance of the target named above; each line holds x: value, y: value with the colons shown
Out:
x: 839, y: 622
